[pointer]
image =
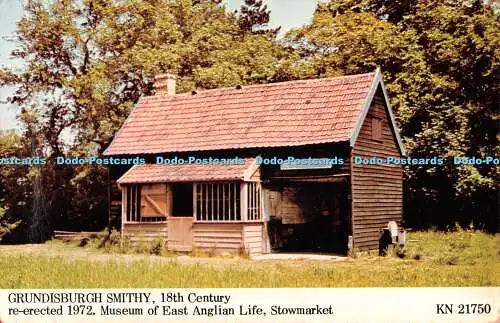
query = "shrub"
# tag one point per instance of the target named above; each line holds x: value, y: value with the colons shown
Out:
x: 243, y: 252
x: 5, y: 225
x: 105, y: 240
x: 157, y: 247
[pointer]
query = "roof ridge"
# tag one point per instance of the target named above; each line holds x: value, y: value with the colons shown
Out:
x: 284, y: 83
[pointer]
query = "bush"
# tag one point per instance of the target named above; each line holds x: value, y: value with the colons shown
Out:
x: 5, y: 225
x: 105, y: 240
x: 158, y: 247
x: 243, y: 252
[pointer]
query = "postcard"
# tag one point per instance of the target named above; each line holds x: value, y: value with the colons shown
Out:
x: 249, y: 161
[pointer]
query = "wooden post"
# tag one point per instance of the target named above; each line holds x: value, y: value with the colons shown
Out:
x: 217, y: 201
x: 266, y: 244
x: 243, y: 202
x: 170, y: 205
x: 235, y: 193
x: 261, y: 204
x: 229, y: 202
x: 350, y: 193
x: 194, y: 200
x: 134, y: 205
x: 124, y: 211
x: 109, y: 201
x: 212, y: 202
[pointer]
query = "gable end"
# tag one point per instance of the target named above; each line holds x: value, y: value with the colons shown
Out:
x: 378, y: 83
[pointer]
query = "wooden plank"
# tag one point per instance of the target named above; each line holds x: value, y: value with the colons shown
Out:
x: 376, y: 215
x: 195, y: 201
x: 213, y: 246
x: 379, y: 206
x: 365, y: 187
x: 224, y: 226
x: 147, y: 226
x: 216, y: 235
x: 219, y: 241
x: 170, y: 200
x: 223, y: 200
x: 380, y: 211
x: 235, y: 193
x: 136, y: 202
x: 244, y: 201
x: 155, y: 206
x: 381, y: 195
x: 124, y: 208
x: 212, y: 215
x: 205, y: 216
x: 180, y: 237
x: 231, y: 216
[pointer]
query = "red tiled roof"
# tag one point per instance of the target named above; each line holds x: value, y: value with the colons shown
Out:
x: 269, y: 115
x: 153, y: 173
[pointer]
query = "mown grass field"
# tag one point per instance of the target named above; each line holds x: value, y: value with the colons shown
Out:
x: 430, y: 259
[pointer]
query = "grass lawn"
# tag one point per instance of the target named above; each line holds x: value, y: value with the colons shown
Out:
x: 430, y: 259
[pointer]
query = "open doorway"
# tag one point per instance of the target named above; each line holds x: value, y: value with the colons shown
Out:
x: 180, y: 224
x: 309, y: 217
x: 182, y: 198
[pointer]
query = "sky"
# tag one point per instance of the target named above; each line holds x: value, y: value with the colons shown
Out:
x: 285, y: 13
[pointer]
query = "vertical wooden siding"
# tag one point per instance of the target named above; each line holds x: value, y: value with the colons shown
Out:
x: 377, y: 190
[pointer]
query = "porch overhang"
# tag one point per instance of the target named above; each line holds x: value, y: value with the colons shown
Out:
x: 155, y: 173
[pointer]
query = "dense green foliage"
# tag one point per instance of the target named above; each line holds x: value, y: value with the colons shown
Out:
x: 455, y: 259
x: 88, y: 61
x: 6, y: 226
x: 16, y: 194
x: 440, y: 61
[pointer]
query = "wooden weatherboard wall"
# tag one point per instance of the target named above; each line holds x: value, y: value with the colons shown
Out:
x: 377, y: 190
x: 137, y: 233
x: 229, y: 237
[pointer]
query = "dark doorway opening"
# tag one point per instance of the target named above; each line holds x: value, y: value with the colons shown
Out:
x: 309, y: 217
x: 182, y: 198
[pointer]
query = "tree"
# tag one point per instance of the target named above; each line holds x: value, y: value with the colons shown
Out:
x: 388, y: 10
x: 440, y: 63
x: 5, y: 225
x: 15, y: 193
x: 254, y: 17
x: 87, y: 62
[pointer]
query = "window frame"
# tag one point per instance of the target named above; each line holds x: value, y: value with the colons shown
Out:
x: 254, y: 201
x: 206, y: 191
x: 242, y: 204
x: 377, y: 129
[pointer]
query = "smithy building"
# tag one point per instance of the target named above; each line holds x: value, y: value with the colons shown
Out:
x: 256, y: 207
